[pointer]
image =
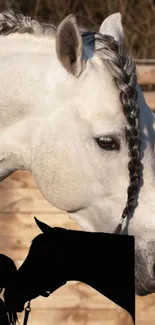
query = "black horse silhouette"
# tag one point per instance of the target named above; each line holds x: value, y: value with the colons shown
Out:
x: 7, y: 272
x: 103, y: 261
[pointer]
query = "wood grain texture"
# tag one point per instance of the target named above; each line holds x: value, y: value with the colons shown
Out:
x: 146, y: 74
x: 24, y: 200
x: 150, y: 99
x: 79, y: 317
x: 25, y: 225
x: 18, y: 179
x: 146, y: 77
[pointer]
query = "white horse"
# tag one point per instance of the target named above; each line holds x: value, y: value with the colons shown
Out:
x: 69, y: 115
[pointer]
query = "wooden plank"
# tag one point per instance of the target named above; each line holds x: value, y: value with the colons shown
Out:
x: 145, y: 302
x: 23, y: 225
x: 150, y: 99
x: 145, y: 313
x: 146, y: 74
x: 79, y: 295
x: 15, y: 247
x: 25, y: 200
x: 18, y: 179
x: 78, y: 317
x: 144, y: 61
x: 145, y: 317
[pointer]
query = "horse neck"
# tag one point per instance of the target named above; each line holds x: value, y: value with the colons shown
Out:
x: 93, y: 264
x: 87, y: 249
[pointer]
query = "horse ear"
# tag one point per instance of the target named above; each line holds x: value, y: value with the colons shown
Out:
x: 43, y: 227
x: 112, y: 26
x: 69, y: 45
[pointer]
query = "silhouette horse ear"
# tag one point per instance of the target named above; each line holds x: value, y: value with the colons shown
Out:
x: 43, y: 227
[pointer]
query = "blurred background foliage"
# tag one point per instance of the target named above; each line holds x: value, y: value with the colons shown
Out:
x: 138, y: 17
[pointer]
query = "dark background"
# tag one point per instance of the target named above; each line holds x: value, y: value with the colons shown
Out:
x: 138, y: 17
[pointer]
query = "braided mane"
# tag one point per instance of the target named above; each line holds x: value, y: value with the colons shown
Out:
x: 123, y: 71
x: 13, y: 22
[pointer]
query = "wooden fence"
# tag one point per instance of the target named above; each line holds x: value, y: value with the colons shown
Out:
x: 75, y: 303
x: 146, y: 78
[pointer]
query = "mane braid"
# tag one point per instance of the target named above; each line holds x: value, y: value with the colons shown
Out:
x: 123, y: 71
x: 15, y: 22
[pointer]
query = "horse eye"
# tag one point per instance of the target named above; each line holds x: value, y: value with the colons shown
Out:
x: 108, y: 143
